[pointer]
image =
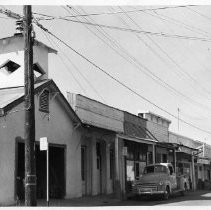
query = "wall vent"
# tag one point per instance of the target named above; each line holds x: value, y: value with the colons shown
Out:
x: 44, y: 101
x: 9, y: 66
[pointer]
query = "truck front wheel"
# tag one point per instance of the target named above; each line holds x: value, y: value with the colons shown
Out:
x: 166, y: 194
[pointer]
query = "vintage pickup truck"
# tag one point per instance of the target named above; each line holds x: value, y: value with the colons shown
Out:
x: 160, y: 179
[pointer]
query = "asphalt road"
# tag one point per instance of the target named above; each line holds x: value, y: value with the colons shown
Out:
x: 198, y: 198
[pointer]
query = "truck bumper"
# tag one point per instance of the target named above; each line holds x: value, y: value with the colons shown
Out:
x: 150, y: 192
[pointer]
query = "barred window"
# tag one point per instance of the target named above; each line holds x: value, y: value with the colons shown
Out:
x: 44, y: 101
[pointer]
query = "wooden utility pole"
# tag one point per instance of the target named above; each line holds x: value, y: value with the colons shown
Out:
x: 30, y: 170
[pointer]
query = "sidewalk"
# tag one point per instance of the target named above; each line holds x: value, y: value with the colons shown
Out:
x: 99, y: 200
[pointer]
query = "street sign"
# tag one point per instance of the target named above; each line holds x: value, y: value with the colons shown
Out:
x: 43, y: 143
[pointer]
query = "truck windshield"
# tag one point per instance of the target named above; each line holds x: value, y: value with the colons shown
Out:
x: 155, y: 169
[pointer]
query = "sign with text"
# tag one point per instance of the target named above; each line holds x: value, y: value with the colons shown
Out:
x: 203, y: 161
x: 43, y: 143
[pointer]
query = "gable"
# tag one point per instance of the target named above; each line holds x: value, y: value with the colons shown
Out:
x: 11, y: 97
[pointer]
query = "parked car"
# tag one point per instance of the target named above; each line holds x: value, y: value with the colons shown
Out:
x: 160, y: 179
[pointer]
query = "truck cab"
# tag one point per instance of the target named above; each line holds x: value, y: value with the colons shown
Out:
x: 161, y: 179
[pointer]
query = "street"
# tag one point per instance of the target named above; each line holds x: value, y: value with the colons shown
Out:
x: 198, y: 198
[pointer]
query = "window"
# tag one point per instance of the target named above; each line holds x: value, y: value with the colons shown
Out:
x: 111, y: 163
x: 137, y: 170
x: 164, y: 158
x: 9, y: 67
x: 149, y: 158
x: 171, y: 170
x: 158, y: 158
x: 98, y: 153
x: 155, y: 169
x: 44, y: 101
x: 38, y: 71
x: 208, y: 174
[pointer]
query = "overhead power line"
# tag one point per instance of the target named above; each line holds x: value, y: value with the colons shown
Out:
x: 77, y: 69
x: 182, y: 70
x: 199, y: 13
x: 10, y: 14
x: 162, y: 34
x: 122, y: 52
x: 128, y: 57
x: 119, y: 82
x: 128, y: 11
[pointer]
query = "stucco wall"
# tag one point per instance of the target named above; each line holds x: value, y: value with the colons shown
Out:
x: 13, y: 50
x: 59, y: 129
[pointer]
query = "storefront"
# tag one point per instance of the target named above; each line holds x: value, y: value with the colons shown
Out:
x: 135, y: 161
x: 138, y: 144
x: 203, y: 169
x: 185, y: 163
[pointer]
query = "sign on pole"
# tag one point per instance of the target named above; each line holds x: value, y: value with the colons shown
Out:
x: 43, y: 143
x: 44, y: 146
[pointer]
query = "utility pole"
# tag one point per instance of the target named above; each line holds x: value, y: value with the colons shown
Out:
x: 30, y: 170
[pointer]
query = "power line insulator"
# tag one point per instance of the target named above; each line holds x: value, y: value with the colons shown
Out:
x: 19, y: 27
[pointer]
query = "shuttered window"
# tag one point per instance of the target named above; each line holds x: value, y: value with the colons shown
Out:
x: 44, y: 101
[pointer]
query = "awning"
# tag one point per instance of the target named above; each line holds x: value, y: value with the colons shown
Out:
x: 137, y: 139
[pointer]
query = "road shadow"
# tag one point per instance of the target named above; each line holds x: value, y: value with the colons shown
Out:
x: 201, y: 195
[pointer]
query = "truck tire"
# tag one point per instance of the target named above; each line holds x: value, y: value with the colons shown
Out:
x: 166, y: 194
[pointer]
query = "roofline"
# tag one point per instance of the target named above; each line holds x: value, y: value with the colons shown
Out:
x: 14, y: 87
x: 185, y: 137
x: 149, y: 112
x: 135, y: 138
x: 51, y: 50
x: 135, y: 115
x: 88, y: 125
x: 108, y: 105
x: 36, y: 90
x: 96, y: 101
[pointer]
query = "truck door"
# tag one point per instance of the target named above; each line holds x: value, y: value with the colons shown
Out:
x: 173, y: 179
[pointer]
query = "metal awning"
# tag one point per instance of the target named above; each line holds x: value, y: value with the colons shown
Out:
x: 137, y: 139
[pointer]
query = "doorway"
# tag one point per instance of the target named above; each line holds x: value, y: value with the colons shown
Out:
x: 56, y: 171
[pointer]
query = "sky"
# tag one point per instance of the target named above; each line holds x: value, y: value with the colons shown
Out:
x: 171, y: 72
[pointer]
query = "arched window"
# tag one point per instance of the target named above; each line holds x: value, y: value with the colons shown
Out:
x: 44, y: 101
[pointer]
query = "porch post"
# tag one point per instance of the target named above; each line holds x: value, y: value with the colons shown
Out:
x: 175, y: 160
x: 153, y: 154
x: 117, y: 184
x: 193, y: 171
